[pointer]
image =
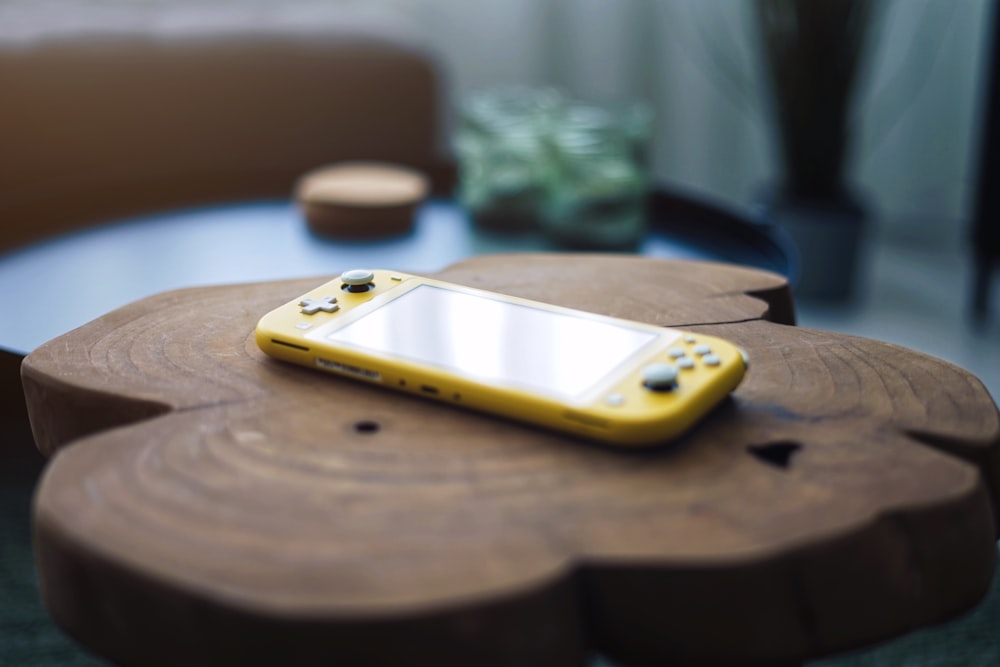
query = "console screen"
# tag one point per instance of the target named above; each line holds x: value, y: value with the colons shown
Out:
x: 495, y: 341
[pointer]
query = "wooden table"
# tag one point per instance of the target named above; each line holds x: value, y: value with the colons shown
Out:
x: 206, y: 505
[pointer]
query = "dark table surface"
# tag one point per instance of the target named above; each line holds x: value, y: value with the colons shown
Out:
x: 52, y: 287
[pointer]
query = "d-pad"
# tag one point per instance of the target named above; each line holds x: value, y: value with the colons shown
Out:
x: 327, y: 304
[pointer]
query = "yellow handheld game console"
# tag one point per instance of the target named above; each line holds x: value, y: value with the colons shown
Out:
x: 603, y: 378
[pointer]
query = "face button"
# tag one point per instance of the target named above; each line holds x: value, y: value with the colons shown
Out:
x: 614, y: 399
x: 685, y: 363
x: 327, y: 304
x: 702, y: 349
x: 659, y: 377
x: 677, y: 352
x: 711, y: 360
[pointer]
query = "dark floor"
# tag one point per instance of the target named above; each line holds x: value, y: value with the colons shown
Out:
x: 28, y: 638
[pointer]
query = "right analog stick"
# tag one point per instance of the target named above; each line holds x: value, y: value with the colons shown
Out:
x: 660, y: 377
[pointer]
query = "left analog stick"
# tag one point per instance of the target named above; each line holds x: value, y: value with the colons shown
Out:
x: 358, y: 280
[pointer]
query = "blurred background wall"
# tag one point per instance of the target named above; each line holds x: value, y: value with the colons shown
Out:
x: 697, y: 63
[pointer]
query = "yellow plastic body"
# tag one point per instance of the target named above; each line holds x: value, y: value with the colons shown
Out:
x: 619, y: 409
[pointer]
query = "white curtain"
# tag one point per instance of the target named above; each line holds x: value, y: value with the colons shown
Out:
x: 693, y: 62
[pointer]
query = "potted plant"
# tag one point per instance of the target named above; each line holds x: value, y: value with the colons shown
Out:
x: 814, y: 53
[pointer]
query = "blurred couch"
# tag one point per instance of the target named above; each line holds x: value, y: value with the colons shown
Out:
x: 109, y: 110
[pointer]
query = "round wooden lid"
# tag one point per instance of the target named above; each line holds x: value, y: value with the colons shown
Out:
x: 361, y: 199
x: 363, y: 184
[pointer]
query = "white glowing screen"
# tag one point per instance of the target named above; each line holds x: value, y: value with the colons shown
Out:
x: 495, y: 341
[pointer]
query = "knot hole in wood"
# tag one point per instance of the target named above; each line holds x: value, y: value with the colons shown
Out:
x: 777, y: 454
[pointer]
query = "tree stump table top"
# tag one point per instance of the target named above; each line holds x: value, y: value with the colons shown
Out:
x: 207, y: 505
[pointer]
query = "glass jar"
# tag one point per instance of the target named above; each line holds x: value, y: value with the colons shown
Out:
x: 503, y: 156
x: 597, y: 190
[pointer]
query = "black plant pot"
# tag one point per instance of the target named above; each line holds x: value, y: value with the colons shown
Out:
x: 827, y: 235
